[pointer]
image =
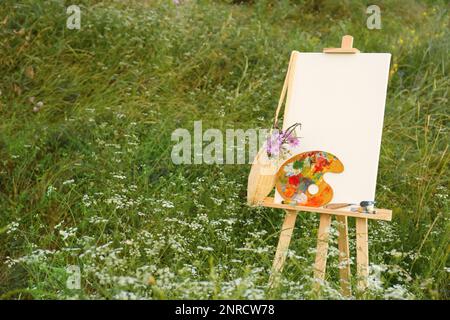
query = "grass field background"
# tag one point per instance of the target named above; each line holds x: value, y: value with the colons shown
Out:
x: 86, y: 177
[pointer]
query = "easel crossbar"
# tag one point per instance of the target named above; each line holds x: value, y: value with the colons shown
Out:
x: 380, y: 214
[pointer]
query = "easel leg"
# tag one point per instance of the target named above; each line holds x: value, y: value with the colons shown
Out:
x: 344, y: 256
x: 322, y: 249
x: 283, y: 245
x: 362, y: 253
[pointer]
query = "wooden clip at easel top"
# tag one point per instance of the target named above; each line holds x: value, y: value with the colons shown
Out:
x: 346, y: 46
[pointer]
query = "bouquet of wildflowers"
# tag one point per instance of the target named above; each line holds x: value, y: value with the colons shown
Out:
x: 279, y: 143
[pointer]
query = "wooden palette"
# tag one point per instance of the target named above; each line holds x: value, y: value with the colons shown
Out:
x: 296, y: 175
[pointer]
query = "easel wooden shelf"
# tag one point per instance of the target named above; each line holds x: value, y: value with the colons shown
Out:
x: 362, y: 242
x: 380, y: 214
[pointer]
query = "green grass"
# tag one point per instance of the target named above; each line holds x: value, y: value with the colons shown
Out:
x: 141, y: 227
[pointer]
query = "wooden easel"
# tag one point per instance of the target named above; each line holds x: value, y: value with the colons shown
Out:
x: 362, y: 241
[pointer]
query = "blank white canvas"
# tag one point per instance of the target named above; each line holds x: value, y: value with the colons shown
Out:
x: 339, y: 99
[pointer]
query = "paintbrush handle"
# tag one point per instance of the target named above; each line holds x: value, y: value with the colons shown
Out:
x: 337, y: 205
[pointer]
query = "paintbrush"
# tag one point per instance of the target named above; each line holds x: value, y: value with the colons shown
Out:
x: 365, y: 206
x: 337, y: 205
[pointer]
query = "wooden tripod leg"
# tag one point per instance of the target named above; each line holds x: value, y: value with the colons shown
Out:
x: 322, y: 249
x: 344, y: 256
x: 362, y: 253
x: 283, y: 245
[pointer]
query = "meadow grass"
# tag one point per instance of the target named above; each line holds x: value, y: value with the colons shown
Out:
x: 87, y: 178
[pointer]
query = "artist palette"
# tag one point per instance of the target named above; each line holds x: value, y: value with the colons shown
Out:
x: 298, y: 176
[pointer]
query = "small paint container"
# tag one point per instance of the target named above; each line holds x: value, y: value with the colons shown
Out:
x: 368, y: 206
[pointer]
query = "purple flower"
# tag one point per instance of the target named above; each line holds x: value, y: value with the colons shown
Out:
x: 293, y: 141
x: 274, y: 142
x: 280, y: 141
